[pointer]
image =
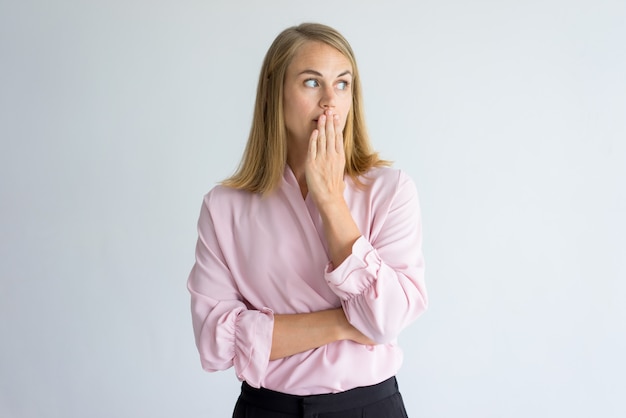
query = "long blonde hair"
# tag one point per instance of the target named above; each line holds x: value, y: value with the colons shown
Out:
x: 265, y: 156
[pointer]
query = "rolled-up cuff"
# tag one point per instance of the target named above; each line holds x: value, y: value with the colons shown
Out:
x: 253, y: 344
x: 356, y: 273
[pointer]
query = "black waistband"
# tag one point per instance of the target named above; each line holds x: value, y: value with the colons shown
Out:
x: 293, y: 404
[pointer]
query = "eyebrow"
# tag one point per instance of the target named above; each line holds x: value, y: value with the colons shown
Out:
x: 317, y: 73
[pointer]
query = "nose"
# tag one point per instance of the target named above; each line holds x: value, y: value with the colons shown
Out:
x: 328, y: 98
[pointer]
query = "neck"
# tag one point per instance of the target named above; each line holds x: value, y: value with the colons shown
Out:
x: 296, y: 159
x: 299, y: 174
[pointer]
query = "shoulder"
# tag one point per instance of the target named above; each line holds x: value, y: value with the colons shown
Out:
x: 391, y: 187
x: 384, y: 173
x: 387, y: 180
x: 380, y: 189
x: 223, y: 199
x: 220, y: 192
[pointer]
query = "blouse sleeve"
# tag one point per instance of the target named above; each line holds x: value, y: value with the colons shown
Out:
x: 227, y: 333
x: 381, y: 284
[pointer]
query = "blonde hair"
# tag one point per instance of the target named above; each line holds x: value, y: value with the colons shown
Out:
x: 265, y: 156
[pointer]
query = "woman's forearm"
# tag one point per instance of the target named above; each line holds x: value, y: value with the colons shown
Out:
x: 340, y: 230
x: 295, y: 333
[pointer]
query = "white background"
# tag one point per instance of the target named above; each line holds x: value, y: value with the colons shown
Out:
x: 117, y: 116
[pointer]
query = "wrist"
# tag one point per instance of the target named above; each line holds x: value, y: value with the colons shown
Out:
x: 343, y: 328
x: 330, y: 203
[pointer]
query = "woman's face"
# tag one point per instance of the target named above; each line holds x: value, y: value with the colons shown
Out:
x: 318, y: 78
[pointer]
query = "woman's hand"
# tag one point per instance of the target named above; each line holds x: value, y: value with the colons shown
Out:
x: 349, y: 332
x: 326, y: 161
x: 324, y: 170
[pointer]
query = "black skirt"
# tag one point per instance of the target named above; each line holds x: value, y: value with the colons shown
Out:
x: 378, y: 401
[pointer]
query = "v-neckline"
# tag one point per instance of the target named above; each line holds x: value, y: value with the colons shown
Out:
x: 307, y: 201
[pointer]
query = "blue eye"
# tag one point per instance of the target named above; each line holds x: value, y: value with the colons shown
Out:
x: 342, y: 85
x: 311, y: 83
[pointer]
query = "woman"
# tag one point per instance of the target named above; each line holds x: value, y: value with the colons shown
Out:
x: 309, y: 262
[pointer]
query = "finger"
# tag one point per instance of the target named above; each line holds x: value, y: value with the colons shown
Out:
x: 313, y: 144
x: 338, y: 135
x: 330, y: 131
x: 321, y: 136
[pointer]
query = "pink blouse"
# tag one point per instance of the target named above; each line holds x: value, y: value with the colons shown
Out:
x: 259, y: 255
